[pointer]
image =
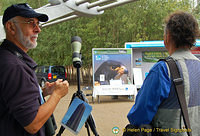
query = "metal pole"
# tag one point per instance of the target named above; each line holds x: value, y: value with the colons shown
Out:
x: 115, y: 4
x: 78, y: 2
x: 97, y: 3
x: 60, y: 20
x: 78, y: 80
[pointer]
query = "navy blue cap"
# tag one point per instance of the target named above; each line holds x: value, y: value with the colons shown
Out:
x: 23, y: 10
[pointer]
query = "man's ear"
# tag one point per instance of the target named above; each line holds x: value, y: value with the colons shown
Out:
x: 166, y: 38
x: 10, y: 27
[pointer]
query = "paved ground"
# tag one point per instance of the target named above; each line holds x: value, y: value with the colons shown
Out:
x: 107, y: 114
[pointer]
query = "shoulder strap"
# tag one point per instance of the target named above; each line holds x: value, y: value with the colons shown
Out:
x: 18, y: 55
x: 178, y: 82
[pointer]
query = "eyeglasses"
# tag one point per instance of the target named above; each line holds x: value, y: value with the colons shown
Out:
x: 32, y: 23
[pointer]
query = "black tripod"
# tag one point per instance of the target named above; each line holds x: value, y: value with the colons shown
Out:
x: 90, y: 121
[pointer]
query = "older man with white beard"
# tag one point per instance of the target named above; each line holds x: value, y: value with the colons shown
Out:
x: 22, y: 112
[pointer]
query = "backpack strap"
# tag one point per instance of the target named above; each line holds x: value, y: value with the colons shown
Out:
x: 178, y: 82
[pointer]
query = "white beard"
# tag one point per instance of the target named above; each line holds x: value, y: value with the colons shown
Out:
x: 25, y: 40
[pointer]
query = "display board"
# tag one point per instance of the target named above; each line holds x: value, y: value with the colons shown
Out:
x: 147, y: 53
x: 112, y: 72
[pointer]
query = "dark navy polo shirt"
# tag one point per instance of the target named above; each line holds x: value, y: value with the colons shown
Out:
x: 19, y: 91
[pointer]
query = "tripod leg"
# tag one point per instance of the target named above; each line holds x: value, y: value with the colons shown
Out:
x: 87, y: 127
x: 60, y: 131
x: 92, y: 125
x: 63, y: 128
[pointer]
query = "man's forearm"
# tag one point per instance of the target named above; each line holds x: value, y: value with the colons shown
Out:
x: 44, y: 112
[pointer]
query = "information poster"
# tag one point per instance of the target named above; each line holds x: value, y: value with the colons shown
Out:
x: 112, y: 71
x: 154, y: 56
x: 112, y: 66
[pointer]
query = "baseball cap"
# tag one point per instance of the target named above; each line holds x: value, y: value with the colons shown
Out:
x: 23, y: 10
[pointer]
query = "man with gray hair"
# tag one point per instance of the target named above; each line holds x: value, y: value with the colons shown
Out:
x: 157, y: 102
x: 22, y: 111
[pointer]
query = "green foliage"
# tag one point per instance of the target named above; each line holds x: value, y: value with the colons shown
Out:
x: 137, y: 21
x: 33, y: 3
